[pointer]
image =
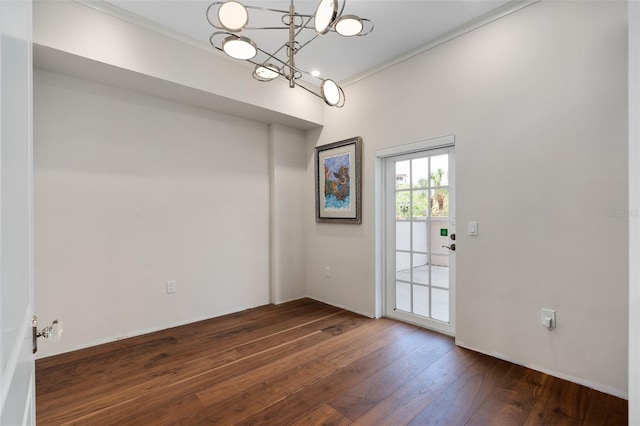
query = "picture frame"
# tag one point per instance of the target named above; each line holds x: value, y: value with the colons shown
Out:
x: 338, y: 168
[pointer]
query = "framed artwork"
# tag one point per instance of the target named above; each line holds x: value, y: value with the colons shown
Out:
x: 338, y: 181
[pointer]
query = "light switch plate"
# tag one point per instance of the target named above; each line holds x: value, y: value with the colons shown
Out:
x: 473, y: 228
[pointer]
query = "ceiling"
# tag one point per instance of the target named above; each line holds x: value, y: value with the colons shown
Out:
x: 401, y: 26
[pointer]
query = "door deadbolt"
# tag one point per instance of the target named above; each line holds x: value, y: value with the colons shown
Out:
x: 453, y: 237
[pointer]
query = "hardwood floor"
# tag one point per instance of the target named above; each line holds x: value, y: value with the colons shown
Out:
x: 305, y: 363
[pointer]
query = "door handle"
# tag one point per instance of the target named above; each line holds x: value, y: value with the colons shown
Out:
x: 452, y: 247
x: 55, y: 330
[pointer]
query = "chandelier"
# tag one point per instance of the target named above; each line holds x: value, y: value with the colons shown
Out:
x: 232, y: 18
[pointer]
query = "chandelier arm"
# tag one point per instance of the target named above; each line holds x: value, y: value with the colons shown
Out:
x: 273, y: 55
x: 275, y: 58
x: 310, y: 91
x: 304, y: 26
x: 370, y: 29
x: 293, y: 69
x: 301, y: 27
x: 217, y: 33
x: 265, y: 28
x: 344, y: 3
x: 207, y: 15
x: 292, y: 43
x: 264, y: 8
x: 313, y: 38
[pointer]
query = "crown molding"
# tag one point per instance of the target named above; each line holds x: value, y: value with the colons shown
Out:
x: 132, y: 18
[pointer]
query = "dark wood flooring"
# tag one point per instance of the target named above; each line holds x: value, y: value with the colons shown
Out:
x: 305, y: 363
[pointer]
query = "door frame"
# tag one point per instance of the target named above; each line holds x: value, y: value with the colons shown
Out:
x: 381, y: 200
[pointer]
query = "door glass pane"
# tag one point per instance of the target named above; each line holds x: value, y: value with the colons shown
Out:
x: 403, y: 296
x: 440, y: 271
x: 420, y: 172
x: 421, y: 300
x: 439, y: 202
x: 437, y: 239
x: 403, y: 267
x: 402, y: 174
x: 420, y: 268
x: 440, y: 304
x: 420, y: 236
x: 403, y: 236
x: 420, y: 205
x: 403, y: 205
x: 440, y: 170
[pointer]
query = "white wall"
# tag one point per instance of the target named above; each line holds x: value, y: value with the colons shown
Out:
x: 131, y: 191
x: 538, y: 105
x: 287, y: 158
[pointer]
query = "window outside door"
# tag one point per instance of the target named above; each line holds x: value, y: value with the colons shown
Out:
x: 420, y: 235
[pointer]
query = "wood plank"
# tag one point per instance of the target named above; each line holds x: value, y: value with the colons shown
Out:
x: 325, y: 416
x: 562, y: 403
x: 459, y: 401
x: 606, y: 410
x: 407, y: 402
x: 367, y: 394
x: 512, y: 400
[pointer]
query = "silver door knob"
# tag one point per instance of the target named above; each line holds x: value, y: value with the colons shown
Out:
x: 452, y: 247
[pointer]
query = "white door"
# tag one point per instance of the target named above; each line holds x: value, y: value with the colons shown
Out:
x: 17, y: 386
x: 420, y: 238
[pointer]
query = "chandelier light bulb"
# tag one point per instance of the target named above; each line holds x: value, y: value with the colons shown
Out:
x: 325, y: 15
x: 239, y: 47
x: 349, y: 25
x: 330, y: 92
x: 266, y: 72
x: 233, y: 16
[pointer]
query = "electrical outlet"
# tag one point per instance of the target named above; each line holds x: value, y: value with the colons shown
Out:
x: 171, y: 287
x: 549, y: 318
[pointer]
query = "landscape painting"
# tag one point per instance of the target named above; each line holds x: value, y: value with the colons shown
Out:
x: 338, y: 179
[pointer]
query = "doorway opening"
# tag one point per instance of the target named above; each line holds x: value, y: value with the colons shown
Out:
x: 418, y: 234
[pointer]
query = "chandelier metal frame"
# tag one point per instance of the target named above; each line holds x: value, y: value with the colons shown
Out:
x: 232, y: 17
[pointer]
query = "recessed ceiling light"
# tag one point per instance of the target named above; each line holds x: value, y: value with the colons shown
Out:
x: 315, y: 73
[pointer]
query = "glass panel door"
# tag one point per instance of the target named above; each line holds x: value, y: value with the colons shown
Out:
x: 420, y: 232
